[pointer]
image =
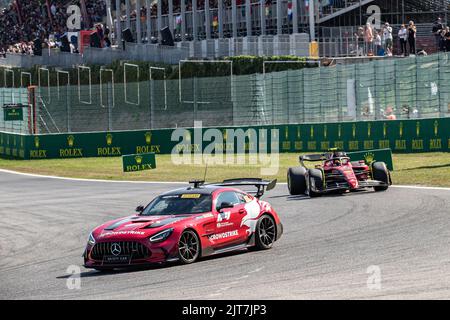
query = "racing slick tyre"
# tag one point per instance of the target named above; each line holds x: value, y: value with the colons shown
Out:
x: 381, y: 173
x: 314, y: 178
x: 296, y: 180
x: 188, y: 247
x: 265, y: 232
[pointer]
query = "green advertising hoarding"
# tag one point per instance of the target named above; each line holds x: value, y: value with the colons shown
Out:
x: 402, y: 136
x: 13, y: 112
x: 138, y: 162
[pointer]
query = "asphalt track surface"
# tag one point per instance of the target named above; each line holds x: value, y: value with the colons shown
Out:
x: 328, y: 247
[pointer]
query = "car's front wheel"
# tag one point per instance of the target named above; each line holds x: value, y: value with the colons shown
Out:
x: 315, y: 182
x: 296, y: 180
x: 188, y: 247
x: 381, y: 173
x: 265, y: 232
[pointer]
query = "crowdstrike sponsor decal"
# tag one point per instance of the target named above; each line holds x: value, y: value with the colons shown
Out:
x: 116, y: 233
x: 223, y: 235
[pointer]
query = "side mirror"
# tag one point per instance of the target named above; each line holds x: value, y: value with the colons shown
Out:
x: 225, y: 205
x: 139, y: 209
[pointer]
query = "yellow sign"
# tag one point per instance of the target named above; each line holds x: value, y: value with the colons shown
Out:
x: 190, y: 196
x: 109, y: 139
x: 70, y: 140
x: 148, y: 137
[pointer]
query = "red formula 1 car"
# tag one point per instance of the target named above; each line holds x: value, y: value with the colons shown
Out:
x: 337, y: 173
x: 186, y: 224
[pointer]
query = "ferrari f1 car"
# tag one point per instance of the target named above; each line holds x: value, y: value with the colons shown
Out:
x: 186, y: 224
x: 336, y: 173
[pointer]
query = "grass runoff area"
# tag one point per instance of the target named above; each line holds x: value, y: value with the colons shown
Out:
x: 425, y: 169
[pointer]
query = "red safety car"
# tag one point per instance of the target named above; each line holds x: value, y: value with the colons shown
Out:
x: 186, y: 224
x: 336, y: 173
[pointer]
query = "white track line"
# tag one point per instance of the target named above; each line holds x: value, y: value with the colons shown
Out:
x: 88, y: 180
x: 169, y: 182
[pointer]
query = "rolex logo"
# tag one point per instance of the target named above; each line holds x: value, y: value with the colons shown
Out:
x: 354, y: 130
x: 70, y: 140
x: 109, y: 139
x: 417, y: 128
x: 384, y: 130
x: 148, y: 137
x: 188, y: 136
x: 138, y: 159
x: 36, y: 142
x: 369, y: 157
x: 436, y: 127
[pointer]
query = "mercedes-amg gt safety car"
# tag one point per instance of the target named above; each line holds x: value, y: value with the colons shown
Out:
x: 186, y: 224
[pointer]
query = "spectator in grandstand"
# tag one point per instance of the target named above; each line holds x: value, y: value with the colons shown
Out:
x: 378, y: 44
x: 403, y: 38
x: 412, y: 31
x: 388, y: 38
x: 389, y: 113
x: 368, y: 39
x: 437, y: 31
x: 106, y: 38
x: 447, y: 39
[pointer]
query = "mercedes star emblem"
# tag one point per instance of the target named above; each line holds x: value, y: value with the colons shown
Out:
x: 115, y: 249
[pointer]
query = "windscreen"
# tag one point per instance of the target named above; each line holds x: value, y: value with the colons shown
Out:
x: 189, y: 203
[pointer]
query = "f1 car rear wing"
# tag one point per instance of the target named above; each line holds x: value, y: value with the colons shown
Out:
x: 311, y: 158
x: 261, y: 185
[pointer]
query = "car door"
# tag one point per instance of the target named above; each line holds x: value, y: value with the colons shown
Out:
x: 228, y: 230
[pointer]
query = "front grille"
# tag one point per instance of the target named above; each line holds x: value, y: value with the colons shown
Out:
x: 128, y: 248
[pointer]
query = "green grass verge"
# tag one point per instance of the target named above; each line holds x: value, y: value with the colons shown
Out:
x: 426, y: 169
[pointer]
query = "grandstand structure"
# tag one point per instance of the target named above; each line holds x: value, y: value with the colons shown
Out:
x: 218, y: 28
x: 199, y: 20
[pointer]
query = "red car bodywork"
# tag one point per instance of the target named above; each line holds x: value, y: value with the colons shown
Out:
x: 352, y: 172
x: 231, y: 229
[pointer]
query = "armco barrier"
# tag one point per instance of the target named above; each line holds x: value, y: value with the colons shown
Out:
x: 405, y: 136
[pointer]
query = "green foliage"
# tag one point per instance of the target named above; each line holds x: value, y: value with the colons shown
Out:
x: 241, y: 65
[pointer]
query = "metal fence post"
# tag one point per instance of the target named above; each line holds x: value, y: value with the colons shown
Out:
x: 68, y: 110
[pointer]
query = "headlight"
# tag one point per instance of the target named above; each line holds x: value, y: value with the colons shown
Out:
x: 91, y: 239
x: 161, y: 236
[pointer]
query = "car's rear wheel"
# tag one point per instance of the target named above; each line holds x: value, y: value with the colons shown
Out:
x: 296, y: 180
x: 381, y: 173
x: 188, y: 247
x: 265, y: 232
x: 315, y: 182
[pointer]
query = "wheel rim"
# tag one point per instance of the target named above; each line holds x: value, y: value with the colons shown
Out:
x: 188, y: 246
x: 267, y: 231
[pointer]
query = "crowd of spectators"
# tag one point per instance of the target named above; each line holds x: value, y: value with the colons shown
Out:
x: 442, y: 35
x: 380, y: 42
x: 24, y: 21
